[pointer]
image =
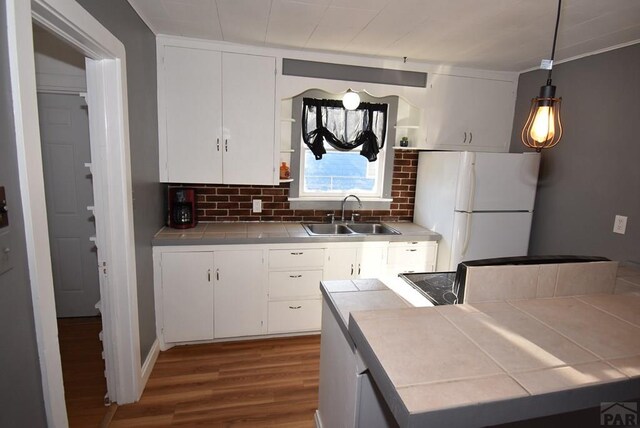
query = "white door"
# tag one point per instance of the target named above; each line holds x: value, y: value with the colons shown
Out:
x: 240, y: 296
x: 64, y: 129
x: 340, y: 263
x: 372, y: 260
x: 187, y: 296
x: 497, y: 181
x: 192, y: 100
x: 248, y: 105
x: 488, y: 235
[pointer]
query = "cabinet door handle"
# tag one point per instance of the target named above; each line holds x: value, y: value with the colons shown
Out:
x: 295, y: 307
x: 209, y: 275
x: 295, y: 276
x: 226, y: 147
x: 351, y: 268
x: 297, y: 254
x: 470, y: 137
x: 465, y: 137
x: 218, y: 144
x: 218, y: 274
x: 359, y: 266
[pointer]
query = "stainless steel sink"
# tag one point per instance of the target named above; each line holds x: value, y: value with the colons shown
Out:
x: 349, y: 229
x: 327, y: 229
x: 373, y: 229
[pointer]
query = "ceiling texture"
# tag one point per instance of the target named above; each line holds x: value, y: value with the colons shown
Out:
x: 508, y: 35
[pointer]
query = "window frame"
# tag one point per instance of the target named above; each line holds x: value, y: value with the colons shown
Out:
x: 388, y: 152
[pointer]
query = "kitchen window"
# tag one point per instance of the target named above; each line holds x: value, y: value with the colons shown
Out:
x: 343, y: 151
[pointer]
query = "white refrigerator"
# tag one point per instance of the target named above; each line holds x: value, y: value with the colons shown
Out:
x: 481, y: 203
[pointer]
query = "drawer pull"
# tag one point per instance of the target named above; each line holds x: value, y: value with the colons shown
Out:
x: 295, y: 307
x: 297, y: 254
x: 295, y: 276
x: 413, y: 249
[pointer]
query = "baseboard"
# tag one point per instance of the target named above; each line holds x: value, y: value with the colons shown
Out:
x: 317, y: 419
x: 147, y: 367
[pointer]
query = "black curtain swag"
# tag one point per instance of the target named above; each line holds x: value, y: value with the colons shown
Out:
x: 354, y: 128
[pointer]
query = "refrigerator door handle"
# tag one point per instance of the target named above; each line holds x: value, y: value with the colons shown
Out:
x: 465, y: 192
x: 467, y: 236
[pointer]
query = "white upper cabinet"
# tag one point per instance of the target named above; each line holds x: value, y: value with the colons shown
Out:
x: 216, y: 116
x: 468, y: 113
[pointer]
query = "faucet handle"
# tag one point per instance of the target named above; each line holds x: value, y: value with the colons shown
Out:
x: 331, y: 217
x: 354, y: 217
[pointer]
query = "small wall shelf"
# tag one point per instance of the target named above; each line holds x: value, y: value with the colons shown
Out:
x: 286, y: 180
x: 287, y: 119
x: 407, y: 126
x: 287, y: 151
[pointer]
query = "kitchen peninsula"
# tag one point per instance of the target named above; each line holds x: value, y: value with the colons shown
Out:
x: 385, y: 363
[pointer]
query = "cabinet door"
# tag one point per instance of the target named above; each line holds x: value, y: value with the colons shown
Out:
x: 371, y: 261
x: 340, y: 263
x: 240, y: 298
x: 467, y: 113
x: 248, y: 105
x: 190, y: 109
x: 187, y: 296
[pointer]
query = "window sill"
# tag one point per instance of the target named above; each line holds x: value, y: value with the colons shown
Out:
x: 335, y: 203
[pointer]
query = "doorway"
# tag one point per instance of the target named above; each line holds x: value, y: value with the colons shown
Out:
x: 110, y: 168
x: 66, y: 160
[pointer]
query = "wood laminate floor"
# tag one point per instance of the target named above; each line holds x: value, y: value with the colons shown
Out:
x: 82, y: 370
x: 258, y: 383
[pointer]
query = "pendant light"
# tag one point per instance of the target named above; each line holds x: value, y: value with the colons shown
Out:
x: 351, y: 100
x: 543, y: 129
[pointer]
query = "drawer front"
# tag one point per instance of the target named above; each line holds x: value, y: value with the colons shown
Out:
x: 294, y: 284
x: 294, y: 315
x: 309, y: 257
x: 412, y: 258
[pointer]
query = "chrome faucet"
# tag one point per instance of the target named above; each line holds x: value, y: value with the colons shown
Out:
x: 345, y: 200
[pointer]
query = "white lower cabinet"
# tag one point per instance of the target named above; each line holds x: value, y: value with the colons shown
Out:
x: 212, y: 292
x: 412, y: 256
x: 366, y: 260
x: 206, y: 295
x: 294, y: 289
x: 239, y: 298
x: 187, y: 296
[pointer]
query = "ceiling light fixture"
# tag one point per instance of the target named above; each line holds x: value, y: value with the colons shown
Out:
x: 351, y: 100
x: 543, y: 128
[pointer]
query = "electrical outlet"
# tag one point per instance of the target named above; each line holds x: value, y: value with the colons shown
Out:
x: 257, y: 205
x: 620, y: 224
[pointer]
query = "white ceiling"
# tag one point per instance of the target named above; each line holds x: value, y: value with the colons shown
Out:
x: 510, y: 35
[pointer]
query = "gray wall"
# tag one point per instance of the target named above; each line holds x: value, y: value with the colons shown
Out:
x: 119, y: 18
x: 594, y: 172
x: 20, y: 387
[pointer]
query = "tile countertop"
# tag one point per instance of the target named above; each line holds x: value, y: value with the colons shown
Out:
x: 276, y: 233
x: 496, y: 362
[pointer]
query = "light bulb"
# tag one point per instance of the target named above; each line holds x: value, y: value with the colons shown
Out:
x: 351, y: 100
x: 543, y: 128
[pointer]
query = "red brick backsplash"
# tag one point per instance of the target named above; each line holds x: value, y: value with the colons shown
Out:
x: 228, y: 203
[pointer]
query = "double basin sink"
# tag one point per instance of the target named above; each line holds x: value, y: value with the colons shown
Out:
x: 343, y: 229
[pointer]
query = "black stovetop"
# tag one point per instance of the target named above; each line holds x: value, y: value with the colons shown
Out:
x: 438, y: 287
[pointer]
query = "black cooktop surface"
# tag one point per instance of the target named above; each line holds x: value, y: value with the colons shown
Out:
x: 438, y: 287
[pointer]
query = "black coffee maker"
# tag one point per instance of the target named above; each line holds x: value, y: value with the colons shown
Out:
x: 182, y: 208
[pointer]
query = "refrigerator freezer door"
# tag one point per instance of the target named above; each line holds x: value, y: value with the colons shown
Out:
x: 497, y: 181
x: 486, y: 235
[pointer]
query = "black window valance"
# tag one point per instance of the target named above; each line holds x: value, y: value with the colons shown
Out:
x: 328, y: 121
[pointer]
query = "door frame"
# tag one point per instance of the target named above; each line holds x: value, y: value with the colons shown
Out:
x: 109, y: 134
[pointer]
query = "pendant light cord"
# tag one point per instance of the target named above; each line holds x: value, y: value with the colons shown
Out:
x: 555, y: 37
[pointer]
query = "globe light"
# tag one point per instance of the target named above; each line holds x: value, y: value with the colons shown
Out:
x: 351, y: 100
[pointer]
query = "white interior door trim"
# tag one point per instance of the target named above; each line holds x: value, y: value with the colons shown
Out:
x: 70, y: 21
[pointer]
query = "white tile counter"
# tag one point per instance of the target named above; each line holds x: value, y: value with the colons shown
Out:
x: 489, y: 363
